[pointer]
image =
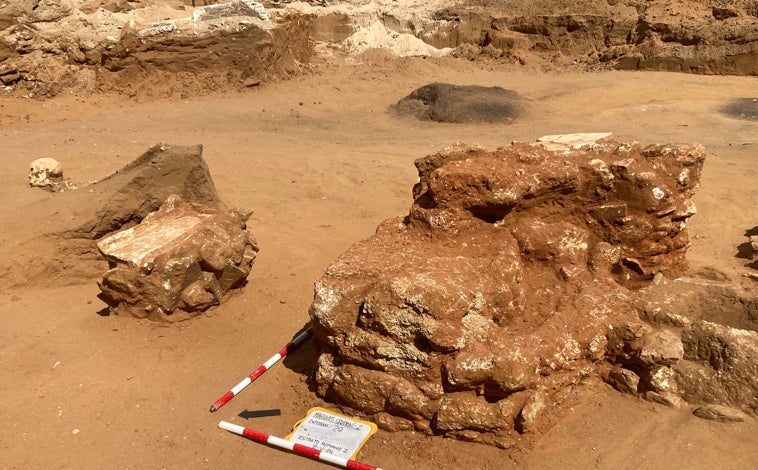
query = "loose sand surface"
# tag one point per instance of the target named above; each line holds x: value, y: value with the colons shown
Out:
x: 322, y: 161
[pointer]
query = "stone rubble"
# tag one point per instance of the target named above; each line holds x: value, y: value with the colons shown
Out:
x: 515, y: 277
x: 180, y: 260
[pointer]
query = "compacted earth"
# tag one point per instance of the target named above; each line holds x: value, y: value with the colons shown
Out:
x: 316, y: 149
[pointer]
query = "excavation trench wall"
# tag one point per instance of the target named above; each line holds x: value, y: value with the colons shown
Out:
x: 90, y: 46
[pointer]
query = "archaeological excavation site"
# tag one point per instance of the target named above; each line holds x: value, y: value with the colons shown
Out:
x: 379, y: 234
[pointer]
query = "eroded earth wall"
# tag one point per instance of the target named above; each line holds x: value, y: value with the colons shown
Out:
x: 183, y: 47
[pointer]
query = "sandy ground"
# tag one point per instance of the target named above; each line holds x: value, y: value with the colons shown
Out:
x: 322, y: 162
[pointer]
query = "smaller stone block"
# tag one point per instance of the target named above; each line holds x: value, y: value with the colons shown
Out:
x: 722, y: 413
x: 184, y: 258
x: 623, y: 380
x: 661, y: 348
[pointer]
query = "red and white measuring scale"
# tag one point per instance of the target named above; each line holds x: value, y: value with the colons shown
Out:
x: 299, y: 449
x: 263, y: 368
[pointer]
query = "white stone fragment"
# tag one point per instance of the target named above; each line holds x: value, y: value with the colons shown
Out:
x: 234, y: 8
x: 559, y: 142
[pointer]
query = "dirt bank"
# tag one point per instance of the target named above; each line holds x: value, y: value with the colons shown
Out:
x: 172, y: 48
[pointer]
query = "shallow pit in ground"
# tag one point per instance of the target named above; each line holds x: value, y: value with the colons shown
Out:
x: 445, y: 102
x: 742, y: 108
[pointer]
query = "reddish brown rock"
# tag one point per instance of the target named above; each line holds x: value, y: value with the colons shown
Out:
x: 623, y: 380
x: 182, y: 259
x: 502, y: 283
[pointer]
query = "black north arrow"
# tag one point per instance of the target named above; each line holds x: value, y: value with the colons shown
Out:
x: 247, y: 414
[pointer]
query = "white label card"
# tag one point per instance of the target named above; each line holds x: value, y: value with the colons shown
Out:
x: 332, y: 433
